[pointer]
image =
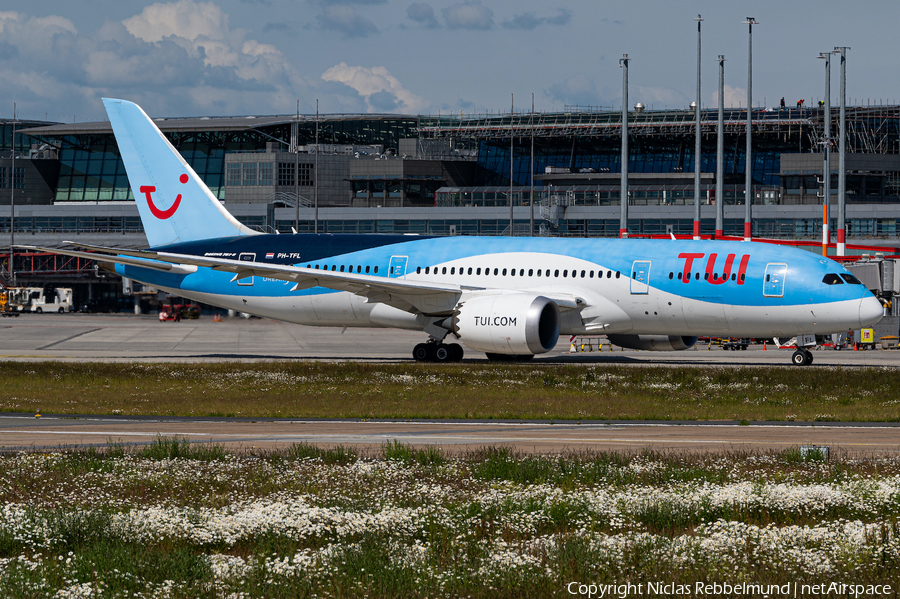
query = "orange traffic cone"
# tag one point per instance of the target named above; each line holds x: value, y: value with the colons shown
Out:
x: 764, y: 346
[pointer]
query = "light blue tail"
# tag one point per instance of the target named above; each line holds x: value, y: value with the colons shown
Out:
x: 174, y: 203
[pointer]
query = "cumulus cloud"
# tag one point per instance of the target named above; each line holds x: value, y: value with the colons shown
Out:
x: 346, y: 20
x: 734, y: 97
x: 528, y: 20
x: 666, y: 96
x: 579, y: 90
x: 469, y: 15
x: 382, y: 91
x: 422, y: 14
x: 172, y: 58
x: 277, y: 28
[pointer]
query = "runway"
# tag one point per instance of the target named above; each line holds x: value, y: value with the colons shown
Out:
x: 129, y: 338
x: 26, y: 432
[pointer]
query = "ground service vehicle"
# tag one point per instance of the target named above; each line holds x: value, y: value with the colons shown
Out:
x: 49, y: 299
x: 7, y: 307
x: 168, y: 312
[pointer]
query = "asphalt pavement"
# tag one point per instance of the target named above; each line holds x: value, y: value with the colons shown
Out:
x: 130, y: 338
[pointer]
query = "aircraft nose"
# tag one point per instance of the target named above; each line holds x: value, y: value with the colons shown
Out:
x: 870, y: 311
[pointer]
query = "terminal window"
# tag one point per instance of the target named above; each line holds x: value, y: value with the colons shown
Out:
x: 249, y: 173
x: 19, y: 177
x: 286, y: 174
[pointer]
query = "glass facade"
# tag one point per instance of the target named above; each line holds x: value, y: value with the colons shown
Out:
x: 18, y: 178
x: 386, y: 130
x: 250, y: 173
x: 91, y: 169
x: 604, y: 155
x: 23, y: 142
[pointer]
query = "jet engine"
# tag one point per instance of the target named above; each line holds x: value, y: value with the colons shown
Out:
x: 653, y: 342
x: 511, y: 324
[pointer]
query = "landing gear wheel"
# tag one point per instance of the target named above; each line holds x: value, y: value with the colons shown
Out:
x: 456, y: 352
x: 801, y: 357
x: 423, y: 352
x: 442, y: 353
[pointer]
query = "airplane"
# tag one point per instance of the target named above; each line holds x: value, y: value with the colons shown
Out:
x: 509, y: 297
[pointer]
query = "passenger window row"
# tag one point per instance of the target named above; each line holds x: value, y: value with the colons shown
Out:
x: 503, y: 272
x: 706, y: 276
x: 344, y: 268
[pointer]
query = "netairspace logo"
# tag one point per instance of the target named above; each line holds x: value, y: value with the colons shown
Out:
x: 716, y: 589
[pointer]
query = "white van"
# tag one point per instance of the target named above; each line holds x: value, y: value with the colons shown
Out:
x: 50, y: 299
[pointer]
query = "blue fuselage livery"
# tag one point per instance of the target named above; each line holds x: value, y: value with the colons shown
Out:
x: 641, y: 287
x: 505, y: 296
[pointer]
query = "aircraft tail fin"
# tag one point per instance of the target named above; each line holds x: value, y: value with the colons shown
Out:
x: 174, y: 203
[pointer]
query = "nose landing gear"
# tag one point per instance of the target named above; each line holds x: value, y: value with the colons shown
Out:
x: 437, y: 352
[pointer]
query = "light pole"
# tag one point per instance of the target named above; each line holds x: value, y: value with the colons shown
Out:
x: 12, y: 201
x: 842, y: 167
x: 699, y: 20
x: 316, y: 173
x: 748, y: 176
x: 720, y: 154
x: 531, y: 179
x: 623, y: 192
x: 512, y: 109
x: 826, y: 149
x: 296, y: 140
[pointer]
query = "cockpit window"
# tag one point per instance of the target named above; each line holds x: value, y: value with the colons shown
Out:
x: 832, y: 279
x: 851, y: 279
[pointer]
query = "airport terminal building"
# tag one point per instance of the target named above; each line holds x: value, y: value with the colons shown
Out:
x: 460, y: 174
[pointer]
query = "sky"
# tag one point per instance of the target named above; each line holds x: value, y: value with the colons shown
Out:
x: 259, y: 57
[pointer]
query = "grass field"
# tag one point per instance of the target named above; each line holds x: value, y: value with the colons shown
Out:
x: 180, y: 520
x: 580, y: 392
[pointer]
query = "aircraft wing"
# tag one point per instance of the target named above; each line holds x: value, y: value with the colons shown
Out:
x: 425, y: 297
x: 413, y: 296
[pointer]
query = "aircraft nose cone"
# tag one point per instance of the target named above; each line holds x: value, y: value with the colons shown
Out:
x: 870, y: 311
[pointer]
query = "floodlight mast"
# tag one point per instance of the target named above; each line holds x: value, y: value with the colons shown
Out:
x: 748, y: 161
x: 826, y: 150
x: 623, y: 192
x: 697, y: 150
x: 531, y: 176
x: 720, y: 153
x: 842, y: 156
x: 512, y: 110
x: 12, y: 201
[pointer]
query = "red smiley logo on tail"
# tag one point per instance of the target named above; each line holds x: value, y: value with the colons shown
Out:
x: 162, y: 214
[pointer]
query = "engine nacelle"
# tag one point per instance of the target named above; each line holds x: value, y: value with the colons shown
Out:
x: 511, y: 324
x: 653, y: 342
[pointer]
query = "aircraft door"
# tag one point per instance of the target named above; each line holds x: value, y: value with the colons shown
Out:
x: 773, y: 285
x: 640, y: 277
x: 246, y: 257
x: 397, y: 267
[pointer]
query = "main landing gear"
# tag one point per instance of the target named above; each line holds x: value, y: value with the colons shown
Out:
x: 802, y: 357
x: 433, y: 351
